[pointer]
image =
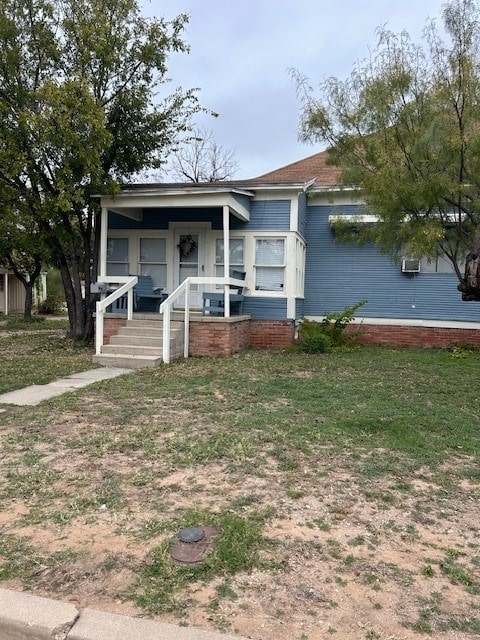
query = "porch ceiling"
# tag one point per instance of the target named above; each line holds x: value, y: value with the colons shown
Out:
x: 132, y: 203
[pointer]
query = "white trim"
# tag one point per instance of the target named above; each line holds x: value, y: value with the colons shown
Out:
x: 103, y: 243
x: 409, y: 322
x: 291, y: 308
x: 226, y: 259
x: 294, y: 213
x: 353, y: 219
x: 159, y: 190
x: 132, y: 201
x: 5, y: 290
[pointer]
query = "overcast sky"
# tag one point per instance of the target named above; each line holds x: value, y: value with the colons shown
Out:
x: 241, y: 51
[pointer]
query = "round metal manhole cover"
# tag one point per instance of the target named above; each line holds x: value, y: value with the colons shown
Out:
x: 191, y: 534
x: 192, y: 553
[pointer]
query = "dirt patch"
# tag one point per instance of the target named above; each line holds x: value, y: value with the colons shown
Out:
x: 346, y: 556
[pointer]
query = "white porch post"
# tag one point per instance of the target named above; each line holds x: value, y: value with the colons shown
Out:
x: 5, y: 289
x: 226, y: 257
x: 103, y: 243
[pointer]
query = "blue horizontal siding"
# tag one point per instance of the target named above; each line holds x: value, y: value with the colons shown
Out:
x: 338, y: 275
x: 302, y: 214
x: 265, y: 308
x: 299, y: 308
x: 266, y: 215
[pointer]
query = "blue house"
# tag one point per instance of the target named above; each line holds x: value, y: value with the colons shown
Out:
x: 277, y: 229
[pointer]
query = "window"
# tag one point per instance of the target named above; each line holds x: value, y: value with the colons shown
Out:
x: 236, y: 256
x: 269, y: 264
x: 440, y: 264
x: 153, y: 260
x: 117, y: 257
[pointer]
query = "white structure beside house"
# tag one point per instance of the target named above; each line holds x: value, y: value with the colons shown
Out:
x: 12, y: 292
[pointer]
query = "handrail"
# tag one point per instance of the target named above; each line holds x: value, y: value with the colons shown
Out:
x: 184, y: 288
x: 126, y: 288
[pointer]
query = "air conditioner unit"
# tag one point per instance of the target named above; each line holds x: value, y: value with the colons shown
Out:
x: 410, y: 265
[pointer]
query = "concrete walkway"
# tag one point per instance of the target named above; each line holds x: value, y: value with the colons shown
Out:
x: 38, y: 392
x: 27, y: 617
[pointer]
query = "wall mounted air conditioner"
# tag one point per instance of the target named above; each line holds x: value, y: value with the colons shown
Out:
x: 410, y: 265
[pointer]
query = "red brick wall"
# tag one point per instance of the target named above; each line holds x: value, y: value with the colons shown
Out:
x: 397, y: 336
x: 216, y: 337
x: 272, y: 333
x: 111, y: 326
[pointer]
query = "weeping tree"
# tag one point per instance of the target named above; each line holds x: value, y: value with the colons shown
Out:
x: 404, y: 128
x: 83, y: 107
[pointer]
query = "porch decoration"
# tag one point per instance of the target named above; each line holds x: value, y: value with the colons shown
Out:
x: 186, y: 246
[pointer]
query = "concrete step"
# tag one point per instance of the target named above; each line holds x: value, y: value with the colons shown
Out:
x: 151, y: 324
x: 138, y: 340
x: 140, y: 343
x: 154, y: 332
x: 126, y: 361
x: 131, y: 350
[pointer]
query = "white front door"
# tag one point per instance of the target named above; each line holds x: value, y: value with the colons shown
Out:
x: 189, y: 261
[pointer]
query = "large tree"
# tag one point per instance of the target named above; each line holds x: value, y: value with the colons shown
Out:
x: 404, y: 128
x: 82, y: 107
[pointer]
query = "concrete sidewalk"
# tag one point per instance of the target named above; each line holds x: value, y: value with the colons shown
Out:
x: 38, y: 392
x: 27, y: 617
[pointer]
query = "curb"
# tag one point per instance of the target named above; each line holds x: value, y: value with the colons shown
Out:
x: 27, y: 617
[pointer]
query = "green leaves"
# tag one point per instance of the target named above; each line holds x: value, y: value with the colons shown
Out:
x: 404, y: 128
x: 78, y: 114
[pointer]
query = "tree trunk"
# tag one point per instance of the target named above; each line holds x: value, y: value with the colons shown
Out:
x: 27, y: 311
x: 470, y: 285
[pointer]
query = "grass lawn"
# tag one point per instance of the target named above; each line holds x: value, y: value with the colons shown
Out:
x: 36, y: 352
x: 344, y: 486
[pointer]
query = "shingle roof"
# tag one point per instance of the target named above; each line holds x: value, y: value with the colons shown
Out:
x: 313, y: 167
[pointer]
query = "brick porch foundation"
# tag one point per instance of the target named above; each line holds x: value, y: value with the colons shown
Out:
x: 212, y: 336
x: 414, y: 336
x: 111, y: 326
x: 272, y: 333
x: 215, y: 336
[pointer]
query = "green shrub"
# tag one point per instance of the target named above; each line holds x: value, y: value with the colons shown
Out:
x: 320, y: 337
x: 312, y: 338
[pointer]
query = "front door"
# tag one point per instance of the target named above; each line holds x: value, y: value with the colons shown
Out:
x: 189, y: 255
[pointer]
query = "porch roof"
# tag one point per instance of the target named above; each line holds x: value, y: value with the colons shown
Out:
x: 133, y: 199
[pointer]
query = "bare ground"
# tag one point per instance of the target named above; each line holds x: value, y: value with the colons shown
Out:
x: 348, y: 556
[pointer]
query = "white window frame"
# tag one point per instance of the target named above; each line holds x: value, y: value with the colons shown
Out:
x: 280, y: 267
x: 141, y: 263
x: 128, y: 262
x: 233, y: 265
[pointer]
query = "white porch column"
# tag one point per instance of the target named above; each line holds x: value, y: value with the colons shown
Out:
x: 5, y: 290
x: 102, y: 271
x: 226, y: 256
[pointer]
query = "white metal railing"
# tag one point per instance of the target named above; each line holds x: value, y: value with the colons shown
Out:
x: 126, y: 288
x: 184, y: 289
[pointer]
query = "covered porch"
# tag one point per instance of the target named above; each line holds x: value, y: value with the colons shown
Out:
x: 182, y: 241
